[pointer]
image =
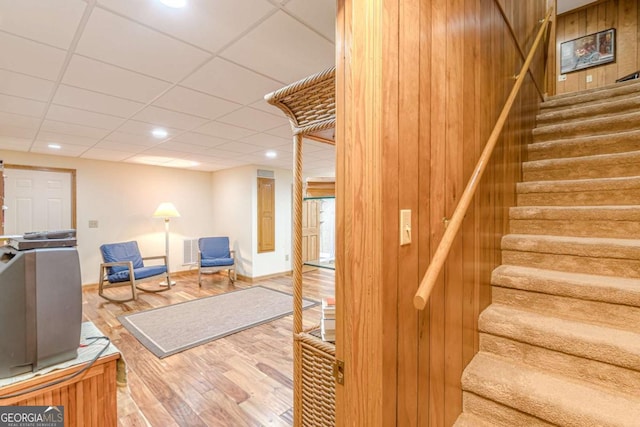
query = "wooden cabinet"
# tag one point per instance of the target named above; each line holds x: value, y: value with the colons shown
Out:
x: 89, y: 399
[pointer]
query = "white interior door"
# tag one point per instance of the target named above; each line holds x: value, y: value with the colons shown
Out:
x: 36, y: 200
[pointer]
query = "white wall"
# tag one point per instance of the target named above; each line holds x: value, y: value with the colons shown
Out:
x: 122, y: 197
x: 235, y: 195
x: 231, y: 191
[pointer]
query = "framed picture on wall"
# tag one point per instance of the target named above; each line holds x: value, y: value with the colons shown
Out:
x: 588, y: 51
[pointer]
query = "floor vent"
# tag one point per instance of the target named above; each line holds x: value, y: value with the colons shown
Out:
x: 190, y: 251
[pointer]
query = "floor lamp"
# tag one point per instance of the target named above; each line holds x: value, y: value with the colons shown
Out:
x: 166, y: 210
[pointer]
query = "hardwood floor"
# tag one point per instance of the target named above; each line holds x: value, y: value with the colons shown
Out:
x: 244, y: 379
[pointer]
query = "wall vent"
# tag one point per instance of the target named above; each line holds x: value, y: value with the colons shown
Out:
x: 190, y: 251
x: 262, y: 173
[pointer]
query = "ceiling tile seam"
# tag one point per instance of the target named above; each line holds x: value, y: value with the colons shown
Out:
x: 283, y: 8
x: 23, y: 98
x: 156, y: 30
x: 33, y: 41
x: 67, y: 59
x: 197, y: 68
x: 22, y: 73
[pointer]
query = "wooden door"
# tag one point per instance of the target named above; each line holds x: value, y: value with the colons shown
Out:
x: 266, y: 215
x: 310, y: 230
x: 38, y: 200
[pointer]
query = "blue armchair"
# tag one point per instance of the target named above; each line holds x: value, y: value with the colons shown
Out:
x: 214, y: 255
x: 124, y: 266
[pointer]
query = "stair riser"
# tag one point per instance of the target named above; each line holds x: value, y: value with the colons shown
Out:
x: 599, y: 374
x: 581, y: 170
x: 617, y: 316
x: 585, y: 147
x: 499, y: 415
x: 587, y: 128
x: 577, y: 228
x: 581, y: 198
x: 574, y: 263
x: 591, y: 111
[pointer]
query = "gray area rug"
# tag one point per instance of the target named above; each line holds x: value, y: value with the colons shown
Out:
x: 174, y: 328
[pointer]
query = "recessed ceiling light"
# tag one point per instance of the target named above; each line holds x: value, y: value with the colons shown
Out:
x: 176, y: 4
x: 54, y: 146
x: 271, y: 154
x: 159, y: 133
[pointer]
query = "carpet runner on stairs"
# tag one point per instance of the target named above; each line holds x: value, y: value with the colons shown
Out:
x: 560, y: 343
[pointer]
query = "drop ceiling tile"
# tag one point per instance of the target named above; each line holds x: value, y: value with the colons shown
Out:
x: 111, y: 80
x: 50, y: 22
x: 319, y: 15
x: 60, y: 138
x: 283, y: 132
x: 17, y: 84
x: 153, y: 53
x: 288, y: 148
x: 238, y: 147
x: 13, y: 143
x: 217, y: 153
x: 223, y: 130
x: 250, y: 118
x: 272, y: 50
x: 183, y: 147
x: 81, y: 117
x: 31, y: 58
x: 144, y: 130
x: 126, y: 147
x: 265, y: 140
x: 222, y: 78
x: 102, y: 154
x: 196, y: 103
x: 93, y: 101
x: 200, y: 139
x: 16, y: 120
x: 17, y: 132
x: 73, y: 129
x: 166, y: 118
x: 64, y: 150
x: 22, y: 106
x: 209, y: 24
x: 267, y: 108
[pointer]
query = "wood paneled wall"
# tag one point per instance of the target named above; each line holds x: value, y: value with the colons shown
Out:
x: 623, y: 15
x: 419, y: 87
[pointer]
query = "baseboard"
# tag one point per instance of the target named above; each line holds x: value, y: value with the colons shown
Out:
x: 185, y: 273
x: 259, y: 278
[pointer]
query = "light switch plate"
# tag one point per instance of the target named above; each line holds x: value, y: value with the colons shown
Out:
x: 405, y: 226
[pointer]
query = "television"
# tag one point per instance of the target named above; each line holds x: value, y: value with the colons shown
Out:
x: 40, y: 308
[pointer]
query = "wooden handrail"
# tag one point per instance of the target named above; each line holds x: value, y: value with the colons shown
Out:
x: 442, y: 252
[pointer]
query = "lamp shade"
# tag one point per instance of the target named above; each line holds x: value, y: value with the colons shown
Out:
x: 166, y: 210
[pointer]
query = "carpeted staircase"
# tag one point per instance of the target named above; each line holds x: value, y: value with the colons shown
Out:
x: 560, y: 343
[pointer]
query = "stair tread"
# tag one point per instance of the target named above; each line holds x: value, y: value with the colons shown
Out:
x: 610, y: 212
x: 596, y: 342
x: 601, y: 108
x: 603, y: 123
x: 548, y: 396
x: 604, y: 91
x: 572, y: 185
x: 589, y: 143
x: 609, y: 289
x: 608, y: 158
x: 604, y: 247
